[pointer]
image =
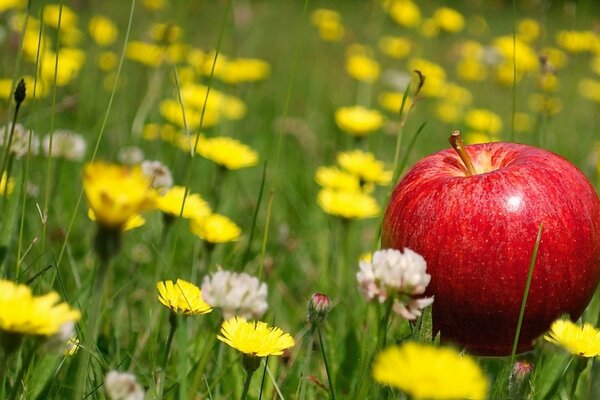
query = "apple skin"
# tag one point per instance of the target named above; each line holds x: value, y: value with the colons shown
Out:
x: 477, y: 234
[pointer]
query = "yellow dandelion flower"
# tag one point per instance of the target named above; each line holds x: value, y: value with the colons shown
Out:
x: 255, y: 338
x: 428, y: 372
x: 170, y: 203
x: 576, y: 41
x: 404, y: 12
x: 68, y: 17
x: 107, y: 61
x: 583, y: 341
x: 6, y: 186
x: 527, y: 59
x: 392, y: 101
x: 362, y: 67
x: 24, y: 313
x: 233, y: 108
x: 182, y: 297
x: 135, y: 221
x: 435, y: 76
x: 448, y: 112
x: 6, y: 5
x: 334, y: 178
x: 154, y: 4
x: 364, y: 165
x: 70, y: 62
x: 349, y: 205
x: 227, y: 152
x: 115, y: 193
x: 328, y: 23
x: 429, y: 28
x: 528, y: 30
x: 395, y: 46
x: 165, y: 33
x: 244, y: 70
x: 587, y: 88
x: 148, y: 54
x: 449, y: 20
x: 216, y: 228
x: 480, y: 137
x: 102, y: 30
x: 171, y: 110
x: 471, y: 69
x: 483, y: 120
x: 358, y: 120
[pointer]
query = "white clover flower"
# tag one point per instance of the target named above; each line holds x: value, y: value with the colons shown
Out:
x: 399, y: 275
x: 237, y: 294
x: 20, y: 141
x: 123, y: 386
x: 66, y: 144
x: 159, y: 174
x: 131, y: 155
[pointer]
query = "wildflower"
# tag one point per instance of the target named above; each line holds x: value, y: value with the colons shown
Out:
x: 65, y: 144
x: 165, y: 33
x: 427, y: 372
x: 589, y: 89
x: 480, y: 137
x: 395, y: 46
x: 6, y: 185
x: 528, y: 30
x: 227, y: 152
x: 215, y: 228
x: 398, y: 275
x: 517, y: 381
x: 135, y: 221
x: 235, y: 294
x: 148, y: 54
x: 329, y: 24
x: 68, y: 17
x: 582, y: 341
x: 358, y: 120
x: 392, y: 101
x: 70, y: 62
x: 6, y: 5
x: 483, y: 120
x: 158, y: 173
x: 130, y: 155
x: 254, y: 338
x: 102, y: 30
x: 334, y: 178
x: 182, y: 297
x: 576, y: 41
x: 115, y: 193
x: 123, y: 386
x: 470, y: 69
x: 448, y: 112
x: 362, y: 67
x: 172, y: 202
x: 404, y: 12
x: 349, y: 205
x: 318, y: 307
x: 526, y: 58
x: 20, y: 144
x: 244, y: 70
x: 448, y: 19
x: 364, y: 165
x: 26, y: 314
x: 544, y: 104
x: 435, y: 76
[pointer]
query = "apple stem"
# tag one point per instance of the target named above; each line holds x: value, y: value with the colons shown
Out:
x: 457, y: 144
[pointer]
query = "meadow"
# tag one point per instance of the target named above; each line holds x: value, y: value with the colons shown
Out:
x: 247, y: 148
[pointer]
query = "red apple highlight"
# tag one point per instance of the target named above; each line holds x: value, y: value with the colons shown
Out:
x: 477, y: 231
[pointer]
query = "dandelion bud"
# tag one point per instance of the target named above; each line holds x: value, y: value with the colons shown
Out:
x: 318, y: 307
x: 20, y: 92
x: 123, y: 386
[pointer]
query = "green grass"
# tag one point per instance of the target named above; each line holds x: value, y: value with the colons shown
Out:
x: 296, y: 248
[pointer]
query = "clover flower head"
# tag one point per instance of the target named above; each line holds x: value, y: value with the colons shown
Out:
x: 123, y: 386
x: 130, y: 155
x: 159, y: 174
x: 19, y: 145
x: 65, y: 144
x: 236, y: 294
x: 399, y: 275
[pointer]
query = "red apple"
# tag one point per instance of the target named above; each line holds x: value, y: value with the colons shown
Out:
x: 477, y: 233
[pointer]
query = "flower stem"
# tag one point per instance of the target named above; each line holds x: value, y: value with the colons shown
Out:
x: 457, y: 144
x: 251, y: 364
x: 305, y: 368
x: 173, y: 324
x: 580, y: 364
x: 383, y: 324
x: 247, y: 384
x: 324, y: 354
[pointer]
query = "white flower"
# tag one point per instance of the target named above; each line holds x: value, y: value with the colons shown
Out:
x: 20, y: 140
x: 237, y: 294
x: 399, y: 275
x: 65, y: 144
x: 131, y: 155
x: 122, y: 386
x: 159, y: 174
